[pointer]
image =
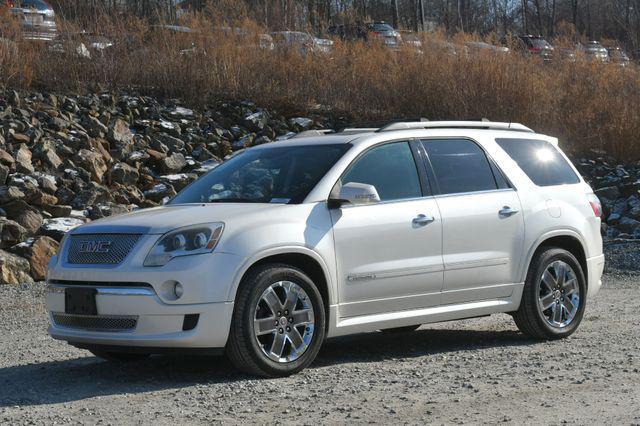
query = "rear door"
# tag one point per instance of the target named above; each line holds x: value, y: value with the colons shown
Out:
x: 482, y: 222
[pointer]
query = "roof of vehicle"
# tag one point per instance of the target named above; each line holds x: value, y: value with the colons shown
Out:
x: 401, y: 129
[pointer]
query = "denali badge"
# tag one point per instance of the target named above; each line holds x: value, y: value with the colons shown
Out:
x: 95, y: 246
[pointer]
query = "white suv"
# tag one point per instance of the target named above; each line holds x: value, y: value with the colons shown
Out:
x: 323, y: 235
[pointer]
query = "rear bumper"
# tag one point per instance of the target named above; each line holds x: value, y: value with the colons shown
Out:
x: 595, y: 268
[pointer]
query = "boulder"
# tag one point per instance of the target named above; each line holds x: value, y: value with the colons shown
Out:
x: 42, y: 249
x: 93, y: 162
x: 173, y: 164
x: 95, y: 128
x: 14, y: 269
x: 11, y: 233
x: 159, y: 192
x: 57, y: 210
x: 23, y: 160
x: 120, y: 134
x: 608, y: 192
x: 6, y: 158
x: 9, y: 194
x: 628, y: 225
x: 124, y: 174
x: 30, y: 220
x: 57, y: 227
x: 172, y: 143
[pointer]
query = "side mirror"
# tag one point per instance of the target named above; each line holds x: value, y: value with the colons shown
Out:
x: 355, y: 193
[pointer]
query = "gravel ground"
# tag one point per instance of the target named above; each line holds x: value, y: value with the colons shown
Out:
x: 472, y: 371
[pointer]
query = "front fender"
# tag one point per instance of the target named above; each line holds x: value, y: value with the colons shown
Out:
x: 328, y: 272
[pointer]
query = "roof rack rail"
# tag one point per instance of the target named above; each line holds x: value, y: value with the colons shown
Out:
x: 307, y: 133
x: 376, y: 124
x: 492, y: 125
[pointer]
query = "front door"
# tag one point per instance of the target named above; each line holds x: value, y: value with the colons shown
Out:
x: 388, y: 254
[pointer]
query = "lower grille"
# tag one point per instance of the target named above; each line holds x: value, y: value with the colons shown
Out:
x: 96, y: 323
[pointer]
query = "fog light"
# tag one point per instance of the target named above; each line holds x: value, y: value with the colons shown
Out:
x: 178, y: 290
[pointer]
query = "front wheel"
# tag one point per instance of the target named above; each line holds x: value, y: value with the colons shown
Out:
x: 278, y: 322
x: 554, y: 296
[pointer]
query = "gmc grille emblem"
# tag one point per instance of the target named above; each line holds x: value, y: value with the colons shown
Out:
x: 95, y: 246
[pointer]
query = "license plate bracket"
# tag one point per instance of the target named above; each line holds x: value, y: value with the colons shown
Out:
x: 80, y: 301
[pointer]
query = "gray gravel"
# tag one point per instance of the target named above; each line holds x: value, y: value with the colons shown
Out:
x: 473, y: 371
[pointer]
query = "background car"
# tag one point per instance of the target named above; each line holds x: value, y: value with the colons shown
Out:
x: 536, y: 46
x: 37, y: 19
x: 594, y: 51
x: 618, y: 56
x: 479, y: 47
x: 305, y: 43
x: 384, y: 32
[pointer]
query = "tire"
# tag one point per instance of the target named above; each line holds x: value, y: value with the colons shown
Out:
x: 119, y: 356
x: 255, y: 313
x: 540, y: 291
x: 406, y: 329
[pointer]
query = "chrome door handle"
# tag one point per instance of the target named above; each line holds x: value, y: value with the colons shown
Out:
x: 507, y: 211
x: 422, y: 220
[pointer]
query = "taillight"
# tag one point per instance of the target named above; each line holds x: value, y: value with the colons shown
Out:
x: 9, y: 3
x: 595, y: 205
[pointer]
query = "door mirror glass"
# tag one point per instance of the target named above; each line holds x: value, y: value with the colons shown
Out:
x: 358, y: 194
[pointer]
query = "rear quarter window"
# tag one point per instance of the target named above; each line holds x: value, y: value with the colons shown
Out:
x: 540, y: 160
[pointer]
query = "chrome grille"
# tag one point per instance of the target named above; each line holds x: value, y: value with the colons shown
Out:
x: 95, y: 323
x: 100, y: 249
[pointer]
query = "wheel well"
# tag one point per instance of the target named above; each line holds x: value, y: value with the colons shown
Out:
x: 570, y: 244
x: 306, y: 264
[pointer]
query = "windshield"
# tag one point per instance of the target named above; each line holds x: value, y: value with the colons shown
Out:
x: 381, y: 27
x: 271, y: 175
x: 540, y: 43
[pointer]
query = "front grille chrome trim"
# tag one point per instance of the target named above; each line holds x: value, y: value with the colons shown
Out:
x: 100, y: 249
x: 104, y: 323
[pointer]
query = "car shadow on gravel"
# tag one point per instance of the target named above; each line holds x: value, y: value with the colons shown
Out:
x: 75, y: 379
x: 372, y: 347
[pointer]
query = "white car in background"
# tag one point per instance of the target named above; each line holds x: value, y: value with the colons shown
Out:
x: 305, y: 43
x: 37, y: 18
x: 324, y: 235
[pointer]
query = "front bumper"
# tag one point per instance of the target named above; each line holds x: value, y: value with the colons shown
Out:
x: 137, y: 307
x: 156, y: 323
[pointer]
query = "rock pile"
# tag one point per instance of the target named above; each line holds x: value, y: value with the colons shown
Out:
x: 618, y: 188
x: 65, y: 160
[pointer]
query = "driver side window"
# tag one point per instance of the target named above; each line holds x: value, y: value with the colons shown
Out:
x: 390, y: 168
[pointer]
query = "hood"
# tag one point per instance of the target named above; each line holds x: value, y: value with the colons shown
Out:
x: 159, y: 220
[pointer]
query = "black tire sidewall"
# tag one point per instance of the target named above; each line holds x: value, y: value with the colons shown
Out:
x: 259, y: 283
x: 545, y: 258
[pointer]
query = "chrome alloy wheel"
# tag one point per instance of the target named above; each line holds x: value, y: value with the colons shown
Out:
x: 284, y: 322
x: 559, y: 294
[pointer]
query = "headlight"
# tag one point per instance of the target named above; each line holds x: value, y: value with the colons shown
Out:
x: 196, y: 239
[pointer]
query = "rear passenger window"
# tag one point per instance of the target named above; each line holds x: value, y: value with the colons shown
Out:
x: 390, y: 168
x: 460, y: 166
x: 540, y: 160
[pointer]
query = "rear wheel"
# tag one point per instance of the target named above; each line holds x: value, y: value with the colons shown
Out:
x: 278, y: 322
x: 554, y: 296
x: 119, y: 356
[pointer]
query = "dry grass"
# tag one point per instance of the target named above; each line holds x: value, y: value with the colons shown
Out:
x: 587, y: 105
